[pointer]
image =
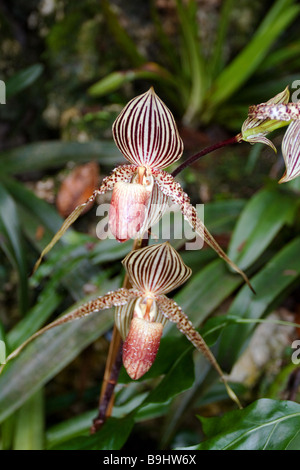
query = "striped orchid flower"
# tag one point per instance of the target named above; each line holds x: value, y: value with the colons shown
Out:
x: 146, y: 134
x: 275, y: 113
x: 143, y: 310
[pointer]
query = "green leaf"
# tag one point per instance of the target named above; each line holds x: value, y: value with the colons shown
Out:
x: 80, y: 425
x: 192, y: 50
x: 217, y: 60
x: 53, y: 154
x: 12, y: 244
x: 120, y: 35
x: 23, y: 79
x: 115, y: 80
x: 206, y: 290
x: 264, y: 425
x: 47, y: 355
x: 261, y: 220
x: 179, y: 378
x: 112, y: 436
x: 29, y: 425
x: 273, y: 282
x: 220, y: 216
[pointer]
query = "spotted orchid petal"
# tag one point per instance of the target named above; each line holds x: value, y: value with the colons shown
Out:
x: 157, y: 269
x: 146, y: 133
x: 277, y: 112
x: 174, y: 191
x: 291, y: 152
x: 174, y: 313
x: 111, y: 299
x: 255, y: 128
x: 122, y: 173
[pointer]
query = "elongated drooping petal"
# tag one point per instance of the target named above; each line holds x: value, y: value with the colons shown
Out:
x: 157, y: 269
x: 127, y: 210
x: 174, y: 313
x: 291, y: 152
x: 278, y: 112
x: 111, y: 299
x: 172, y: 188
x: 121, y: 173
x: 146, y: 133
x: 141, y: 346
x: 254, y: 130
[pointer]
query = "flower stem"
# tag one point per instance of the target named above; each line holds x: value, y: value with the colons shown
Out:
x: 205, y: 151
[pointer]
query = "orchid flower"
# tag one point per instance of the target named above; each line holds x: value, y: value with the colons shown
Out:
x: 266, y: 117
x: 146, y: 134
x: 153, y: 272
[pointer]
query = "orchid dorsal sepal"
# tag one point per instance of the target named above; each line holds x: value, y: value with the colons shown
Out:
x: 146, y: 133
x: 158, y: 269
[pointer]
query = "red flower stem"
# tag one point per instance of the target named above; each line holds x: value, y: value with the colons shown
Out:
x: 207, y: 150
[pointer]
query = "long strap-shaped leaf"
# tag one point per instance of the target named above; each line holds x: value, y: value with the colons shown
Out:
x: 111, y: 299
x: 174, y: 313
x: 123, y: 173
x: 172, y: 188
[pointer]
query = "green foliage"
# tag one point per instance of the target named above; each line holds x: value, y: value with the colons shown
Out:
x: 204, y: 81
x: 264, y: 425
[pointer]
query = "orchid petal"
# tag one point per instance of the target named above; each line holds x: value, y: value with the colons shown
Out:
x: 291, y: 152
x: 156, y: 269
x: 121, y: 173
x: 146, y: 133
x: 278, y: 112
x: 111, y: 299
x: 172, y: 188
x: 174, y: 313
x: 261, y: 139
